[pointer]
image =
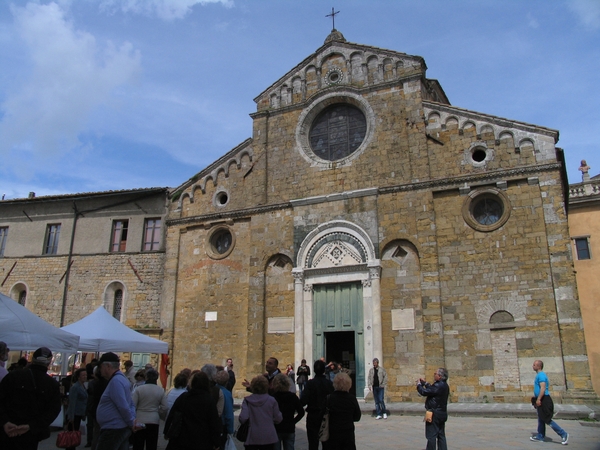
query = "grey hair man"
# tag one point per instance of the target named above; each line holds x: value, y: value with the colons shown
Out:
x: 29, y: 403
x: 116, y: 412
x: 377, y: 381
x: 436, y: 405
x: 211, y: 371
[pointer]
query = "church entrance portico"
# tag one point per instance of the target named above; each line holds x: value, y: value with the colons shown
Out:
x: 337, y: 299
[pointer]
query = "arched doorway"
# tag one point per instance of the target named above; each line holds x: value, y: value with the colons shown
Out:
x: 337, y: 299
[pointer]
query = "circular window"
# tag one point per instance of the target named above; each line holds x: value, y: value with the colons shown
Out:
x: 337, y: 132
x: 479, y: 155
x: 486, y: 209
x: 334, y: 76
x: 221, y: 242
x: 221, y: 198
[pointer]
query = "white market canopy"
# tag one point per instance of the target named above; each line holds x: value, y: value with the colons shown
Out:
x: 101, y: 332
x: 23, y: 330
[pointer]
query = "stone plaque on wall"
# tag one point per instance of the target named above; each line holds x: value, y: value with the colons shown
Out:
x: 403, y: 319
x: 280, y: 325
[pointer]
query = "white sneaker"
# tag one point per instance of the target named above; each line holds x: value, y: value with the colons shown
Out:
x: 565, y: 439
x: 378, y: 418
x: 384, y: 415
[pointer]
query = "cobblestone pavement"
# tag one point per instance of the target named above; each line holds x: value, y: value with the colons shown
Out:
x: 465, y: 433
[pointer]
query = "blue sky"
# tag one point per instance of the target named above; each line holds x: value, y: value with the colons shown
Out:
x: 117, y: 94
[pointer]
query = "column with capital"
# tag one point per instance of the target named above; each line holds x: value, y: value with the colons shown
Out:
x: 298, y: 274
x: 374, y: 276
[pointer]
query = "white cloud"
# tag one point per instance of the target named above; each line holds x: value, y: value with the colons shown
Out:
x: 70, y: 76
x: 163, y: 9
x: 587, y: 11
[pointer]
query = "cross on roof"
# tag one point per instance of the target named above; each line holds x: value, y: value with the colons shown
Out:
x: 332, y: 15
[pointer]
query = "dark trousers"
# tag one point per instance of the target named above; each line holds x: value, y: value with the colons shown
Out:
x: 345, y: 441
x: 313, y: 425
x: 436, y: 431
x: 147, y: 436
x: 90, y: 430
x: 114, y: 439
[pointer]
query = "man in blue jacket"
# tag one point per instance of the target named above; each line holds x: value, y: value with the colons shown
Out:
x: 116, y: 412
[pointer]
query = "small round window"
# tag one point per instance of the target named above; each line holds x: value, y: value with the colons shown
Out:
x: 479, y: 155
x: 221, y: 198
x: 221, y: 243
x: 337, y: 131
x: 486, y: 209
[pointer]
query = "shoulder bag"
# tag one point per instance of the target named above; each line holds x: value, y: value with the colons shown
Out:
x: 324, y: 430
x: 242, y: 432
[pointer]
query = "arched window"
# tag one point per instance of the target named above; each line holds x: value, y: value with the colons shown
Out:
x: 22, y: 297
x: 118, y: 304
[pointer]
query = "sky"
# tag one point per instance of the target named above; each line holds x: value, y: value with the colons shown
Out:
x: 100, y: 95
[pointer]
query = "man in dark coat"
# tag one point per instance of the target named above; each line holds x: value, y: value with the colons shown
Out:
x: 29, y: 403
x: 314, y: 396
x: 436, y: 404
x: 231, y: 373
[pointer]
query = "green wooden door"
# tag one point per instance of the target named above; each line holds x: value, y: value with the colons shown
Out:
x: 339, y: 307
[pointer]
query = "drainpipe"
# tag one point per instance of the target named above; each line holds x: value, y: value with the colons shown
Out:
x: 68, y: 271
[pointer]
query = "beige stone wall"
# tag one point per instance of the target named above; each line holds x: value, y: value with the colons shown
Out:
x: 408, y: 190
x: 90, y: 276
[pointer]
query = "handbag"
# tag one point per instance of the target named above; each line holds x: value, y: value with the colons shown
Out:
x: 241, y: 433
x: 428, y: 417
x: 324, y: 429
x: 66, y: 439
x: 175, y: 425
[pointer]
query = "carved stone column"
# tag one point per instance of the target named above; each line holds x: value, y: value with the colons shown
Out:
x: 298, y: 274
x: 374, y: 277
x: 308, y: 322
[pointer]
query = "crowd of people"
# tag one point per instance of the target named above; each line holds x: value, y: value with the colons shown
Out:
x: 124, y: 408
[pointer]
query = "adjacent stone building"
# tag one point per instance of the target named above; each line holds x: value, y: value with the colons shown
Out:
x: 367, y: 217
x: 64, y: 256
x: 584, y: 225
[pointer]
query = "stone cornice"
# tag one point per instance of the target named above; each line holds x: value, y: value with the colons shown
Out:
x: 229, y: 215
x: 506, y: 123
x: 455, y: 182
x: 440, y: 184
x: 338, y: 269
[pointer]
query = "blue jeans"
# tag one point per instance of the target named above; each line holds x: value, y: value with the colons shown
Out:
x: 378, y: 397
x: 542, y: 428
x: 286, y: 441
x: 114, y: 439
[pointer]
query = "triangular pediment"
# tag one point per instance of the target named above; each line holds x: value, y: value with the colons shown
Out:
x: 337, y: 64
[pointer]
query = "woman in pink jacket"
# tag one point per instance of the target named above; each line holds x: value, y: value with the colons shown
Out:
x: 262, y: 411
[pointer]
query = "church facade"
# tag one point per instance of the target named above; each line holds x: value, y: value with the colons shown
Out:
x: 368, y: 217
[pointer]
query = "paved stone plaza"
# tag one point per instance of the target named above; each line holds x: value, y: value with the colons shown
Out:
x: 463, y: 432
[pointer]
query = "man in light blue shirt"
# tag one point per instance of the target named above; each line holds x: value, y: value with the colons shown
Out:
x: 116, y: 412
x: 544, y: 405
